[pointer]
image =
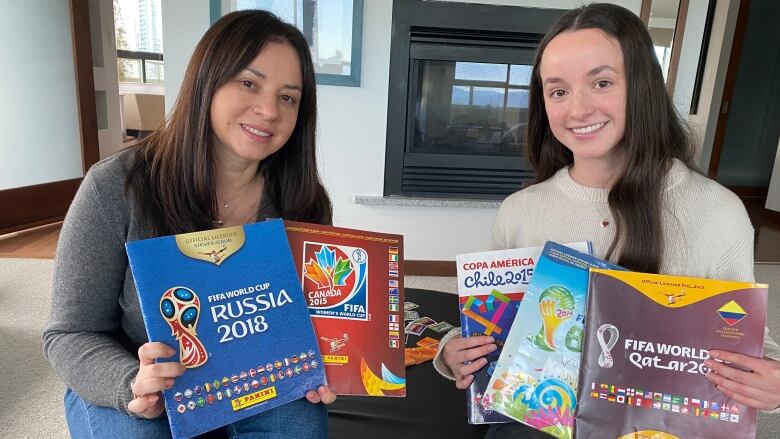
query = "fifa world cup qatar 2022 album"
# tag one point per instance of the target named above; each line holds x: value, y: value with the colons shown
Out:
x: 647, y: 337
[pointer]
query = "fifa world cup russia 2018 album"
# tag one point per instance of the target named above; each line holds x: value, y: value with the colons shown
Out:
x: 353, y: 284
x: 230, y: 303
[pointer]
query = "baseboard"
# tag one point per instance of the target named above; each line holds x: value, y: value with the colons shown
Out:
x: 750, y: 191
x: 36, y: 225
x: 772, y: 215
x: 32, y: 206
x: 430, y: 268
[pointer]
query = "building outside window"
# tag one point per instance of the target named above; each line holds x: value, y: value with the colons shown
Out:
x: 139, y: 43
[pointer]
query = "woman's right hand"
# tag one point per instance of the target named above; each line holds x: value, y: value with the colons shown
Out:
x: 152, y: 379
x: 465, y: 355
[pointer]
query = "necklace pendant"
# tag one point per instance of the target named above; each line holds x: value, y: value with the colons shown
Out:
x: 226, y: 205
x: 605, y: 223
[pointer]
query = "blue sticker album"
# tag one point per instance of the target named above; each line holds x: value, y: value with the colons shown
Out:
x: 491, y: 286
x: 535, y: 378
x: 230, y: 303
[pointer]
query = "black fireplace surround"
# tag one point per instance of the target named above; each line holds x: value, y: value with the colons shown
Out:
x: 458, y: 98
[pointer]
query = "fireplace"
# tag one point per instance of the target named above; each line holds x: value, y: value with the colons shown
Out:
x: 458, y: 98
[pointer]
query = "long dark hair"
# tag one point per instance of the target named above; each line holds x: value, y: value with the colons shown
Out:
x: 173, y: 170
x: 654, y: 134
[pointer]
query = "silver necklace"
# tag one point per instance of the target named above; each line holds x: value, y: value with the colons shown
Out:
x: 252, y: 217
x: 227, y: 201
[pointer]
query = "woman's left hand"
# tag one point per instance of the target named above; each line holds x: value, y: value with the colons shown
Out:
x: 759, y: 388
x: 323, y: 395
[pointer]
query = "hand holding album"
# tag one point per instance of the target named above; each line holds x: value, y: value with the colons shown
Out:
x: 152, y: 379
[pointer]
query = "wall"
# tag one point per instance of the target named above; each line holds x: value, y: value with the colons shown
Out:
x: 101, y: 18
x: 352, y: 124
x: 184, y: 22
x: 705, y: 120
x: 773, y: 197
x: 352, y: 146
x: 633, y: 5
x: 38, y: 115
x: 691, y: 47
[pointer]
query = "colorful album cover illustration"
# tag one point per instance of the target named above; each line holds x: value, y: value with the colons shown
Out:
x: 647, y: 337
x: 535, y: 378
x: 230, y: 303
x: 353, y: 284
x: 491, y: 286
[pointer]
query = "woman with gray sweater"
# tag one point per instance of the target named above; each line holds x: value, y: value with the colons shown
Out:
x: 238, y: 147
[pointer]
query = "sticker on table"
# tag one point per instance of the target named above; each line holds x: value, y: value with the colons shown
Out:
x: 415, y: 328
x: 441, y: 327
x: 425, y: 321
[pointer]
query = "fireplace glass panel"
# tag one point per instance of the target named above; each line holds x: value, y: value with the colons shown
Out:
x: 469, y: 108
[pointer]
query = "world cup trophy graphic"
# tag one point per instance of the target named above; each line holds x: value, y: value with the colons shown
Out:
x: 556, y: 305
x: 180, y: 307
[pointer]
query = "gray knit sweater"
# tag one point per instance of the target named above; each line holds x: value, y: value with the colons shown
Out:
x: 706, y: 230
x: 95, y: 327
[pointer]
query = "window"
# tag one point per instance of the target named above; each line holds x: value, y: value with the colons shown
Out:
x: 138, y: 32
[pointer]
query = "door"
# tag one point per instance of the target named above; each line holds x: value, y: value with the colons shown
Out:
x: 749, y: 122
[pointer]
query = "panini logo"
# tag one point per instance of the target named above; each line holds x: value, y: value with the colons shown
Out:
x: 335, y: 359
x: 253, y: 398
x: 732, y: 313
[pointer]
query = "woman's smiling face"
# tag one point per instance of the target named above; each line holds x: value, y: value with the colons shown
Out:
x: 584, y: 85
x: 254, y: 114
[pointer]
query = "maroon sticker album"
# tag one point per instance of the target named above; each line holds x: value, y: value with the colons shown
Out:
x: 353, y: 284
x: 646, y: 339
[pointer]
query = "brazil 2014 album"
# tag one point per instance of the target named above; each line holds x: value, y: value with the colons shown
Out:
x: 353, y: 283
x: 229, y: 302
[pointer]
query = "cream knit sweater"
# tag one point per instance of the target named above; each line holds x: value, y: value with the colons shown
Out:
x: 706, y: 230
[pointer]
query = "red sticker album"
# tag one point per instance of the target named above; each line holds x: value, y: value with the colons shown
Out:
x: 353, y: 284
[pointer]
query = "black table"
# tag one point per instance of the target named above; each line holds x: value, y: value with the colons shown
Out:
x: 432, y: 408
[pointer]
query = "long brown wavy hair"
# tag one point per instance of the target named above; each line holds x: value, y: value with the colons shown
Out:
x: 654, y: 135
x: 172, y: 176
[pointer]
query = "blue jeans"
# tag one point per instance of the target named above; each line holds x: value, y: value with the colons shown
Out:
x: 300, y: 419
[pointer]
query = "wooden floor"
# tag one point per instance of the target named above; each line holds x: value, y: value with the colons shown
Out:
x: 37, y: 243
x: 767, y: 225
x: 41, y: 242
